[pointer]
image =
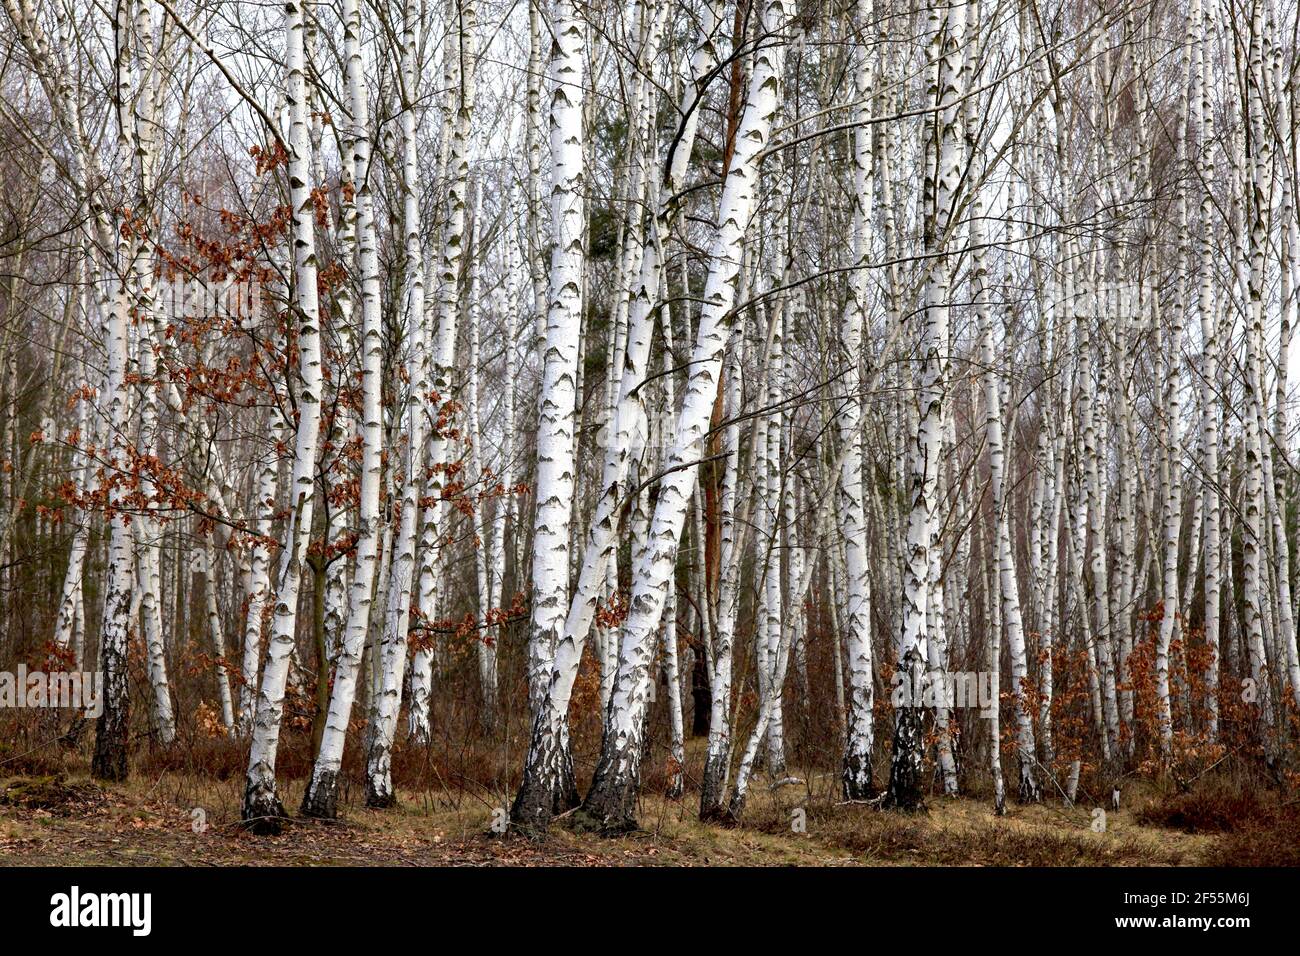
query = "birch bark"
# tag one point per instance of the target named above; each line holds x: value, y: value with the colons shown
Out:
x: 548, y: 786
x: 611, y: 799
x: 262, y: 809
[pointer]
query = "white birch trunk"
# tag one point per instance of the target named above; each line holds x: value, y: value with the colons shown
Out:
x: 393, y: 644
x: 856, y: 774
x: 548, y: 786
x: 262, y: 808
x: 611, y: 799
x: 944, y: 70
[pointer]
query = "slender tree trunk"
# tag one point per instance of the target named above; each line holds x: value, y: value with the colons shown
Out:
x: 943, y: 170
x: 856, y: 774
x: 611, y: 799
x: 393, y: 644
x: 262, y: 808
x: 548, y: 786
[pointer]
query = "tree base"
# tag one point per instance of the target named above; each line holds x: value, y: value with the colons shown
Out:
x: 676, y: 787
x: 586, y: 821
x: 110, y: 764
x: 717, y: 815
x: 610, y: 807
x: 1030, y: 790
x: 263, y: 813
x: 539, y: 801
x: 735, y: 809
x: 380, y: 796
x: 904, y: 792
x: 110, y: 761
x: 856, y: 778
x: 713, y: 786
x: 549, y: 787
x: 321, y: 801
x: 904, y: 802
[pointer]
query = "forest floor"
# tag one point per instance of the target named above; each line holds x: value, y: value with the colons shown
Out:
x: 172, y: 819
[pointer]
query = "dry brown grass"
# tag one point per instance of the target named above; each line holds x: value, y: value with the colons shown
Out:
x: 150, y: 820
x: 1256, y: 825
x: 452, y: 792
x: 1216, y: 807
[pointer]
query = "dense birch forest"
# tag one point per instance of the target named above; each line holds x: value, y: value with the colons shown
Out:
x: 579, y: 403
